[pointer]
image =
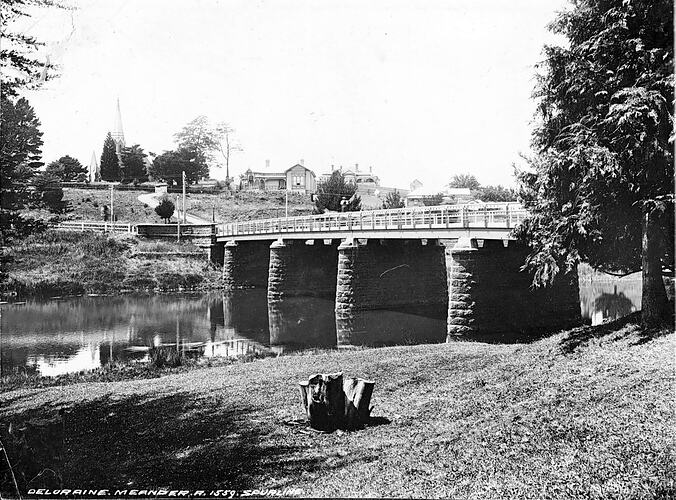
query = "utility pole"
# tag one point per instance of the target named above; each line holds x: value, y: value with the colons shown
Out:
x: 183, y: 174
x: 112, y: 214
x: 178, y: 223
x: 287, y: 203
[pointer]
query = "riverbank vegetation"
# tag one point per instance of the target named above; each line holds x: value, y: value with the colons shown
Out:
x: 584, y: 413
x: 56, y: 263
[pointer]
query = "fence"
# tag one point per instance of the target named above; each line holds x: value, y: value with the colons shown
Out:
x: 493, y: 215
x: 117, y: 227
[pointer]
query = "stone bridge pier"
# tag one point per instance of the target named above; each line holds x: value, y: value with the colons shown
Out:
x: 245, y: 264
x: 489, y: 297
x: 386, y: 274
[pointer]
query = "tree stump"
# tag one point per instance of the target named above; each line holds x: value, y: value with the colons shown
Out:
x: 333, y: 403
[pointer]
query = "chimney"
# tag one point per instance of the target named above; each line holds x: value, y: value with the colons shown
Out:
x: 356, y: 167
x: 332, y: 167
x: 302, y: 162
x: 267, y: 164
x: 370, y: 170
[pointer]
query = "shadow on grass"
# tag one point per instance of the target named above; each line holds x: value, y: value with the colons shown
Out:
x: 614, y: 331
x: 174, y: 441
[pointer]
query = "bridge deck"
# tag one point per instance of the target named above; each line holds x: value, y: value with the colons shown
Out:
x: 481, y: 221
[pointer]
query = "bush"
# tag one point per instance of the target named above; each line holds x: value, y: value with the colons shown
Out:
x: 165, y: 357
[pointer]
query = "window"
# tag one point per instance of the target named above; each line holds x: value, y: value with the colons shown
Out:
x: 298, y: 180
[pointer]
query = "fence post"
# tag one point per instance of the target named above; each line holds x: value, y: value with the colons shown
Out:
x: 485, y: 216
x: 507, y: 214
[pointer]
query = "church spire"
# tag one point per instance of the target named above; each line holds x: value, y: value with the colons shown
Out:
x: 94, y: 171
x: 118, y: 133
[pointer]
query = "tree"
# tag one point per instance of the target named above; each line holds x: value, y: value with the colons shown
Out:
x: 19, y: 64
x: 600, y: 185
x: 465, y: 181
x: 49, y: 193
x: 332, y: 191
x: 110, y: 163
x: 496, y: 194
x: 206, y: 140
x: 169, y: 165
x: 67, y: 169
x: 133, y: 164
x: 393, y: 200
x: 20, y: 157
x: 165, y: 209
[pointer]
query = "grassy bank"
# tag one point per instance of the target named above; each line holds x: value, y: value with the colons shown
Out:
x: 62, y: 263
x: 585, y: 413
x: 86, y: 204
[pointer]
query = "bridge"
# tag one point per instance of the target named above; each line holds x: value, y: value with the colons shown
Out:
x: 478, y: 221
x: 459, y: 259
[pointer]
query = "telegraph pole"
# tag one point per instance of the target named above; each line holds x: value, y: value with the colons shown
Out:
x: 183, y: 174
x: 112, y: 214
x: 178, y: 222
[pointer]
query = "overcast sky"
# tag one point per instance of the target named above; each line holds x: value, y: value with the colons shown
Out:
x: 415, y: 89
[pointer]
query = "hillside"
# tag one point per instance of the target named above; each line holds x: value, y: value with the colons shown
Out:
x: 86, y: 204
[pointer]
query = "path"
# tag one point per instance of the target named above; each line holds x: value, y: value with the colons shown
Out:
x: 151, y: 199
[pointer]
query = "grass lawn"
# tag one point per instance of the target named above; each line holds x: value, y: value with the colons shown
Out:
x: 585, y: 413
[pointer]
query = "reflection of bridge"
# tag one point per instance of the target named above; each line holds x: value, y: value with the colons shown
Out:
x: 485, y: 221
x: 461, y: 258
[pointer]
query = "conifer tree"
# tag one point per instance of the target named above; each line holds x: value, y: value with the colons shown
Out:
x: 110, y: 163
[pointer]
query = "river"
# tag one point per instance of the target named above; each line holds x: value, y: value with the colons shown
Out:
x: 62, y: 335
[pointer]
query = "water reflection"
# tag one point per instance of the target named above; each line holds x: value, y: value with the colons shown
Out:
x: 82, y: 333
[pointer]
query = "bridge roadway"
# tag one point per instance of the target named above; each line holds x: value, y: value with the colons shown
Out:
x: 492, y: 221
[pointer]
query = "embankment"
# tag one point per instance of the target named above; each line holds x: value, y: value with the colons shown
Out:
x: 62, y: 263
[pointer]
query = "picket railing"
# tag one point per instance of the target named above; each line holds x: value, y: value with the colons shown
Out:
x: 117, y: 227
x: 488, y: 215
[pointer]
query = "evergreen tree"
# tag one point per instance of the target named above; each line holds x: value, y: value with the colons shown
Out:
x: 67, y: 169
x: 20, y: 157
x: 393, y: 200
x: 334, y: 190
x: 600, y: 187
x: 110, y: 163
x: 165, y: 209
x: 133, y: 164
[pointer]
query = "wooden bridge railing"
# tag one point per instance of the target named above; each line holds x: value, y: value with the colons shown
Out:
x: 489, y: 215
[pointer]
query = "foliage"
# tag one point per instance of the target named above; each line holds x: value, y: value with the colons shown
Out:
x: 165, y: 357
x: 110, y: 163
x: 169, y: 165
x: 600, y: 187
x: 464, y: 181
x: 49, y: 193
x: 19, y: 64
x: 205, y: 140
x: 133, y: 164
x: 67, y: 169
x: 496, y: 194
x: 332, y: 191
x: 433, y: 200
x: 393, y: 200
x: 20, y: 157
x: 165, y: 209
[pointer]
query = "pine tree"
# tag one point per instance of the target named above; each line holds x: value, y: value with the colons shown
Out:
x: 133, y: 164
x: 334, y: 190
x: 110, y: 163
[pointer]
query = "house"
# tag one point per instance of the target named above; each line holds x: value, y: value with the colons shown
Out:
x: 354, y: 176
x: 297, y: 178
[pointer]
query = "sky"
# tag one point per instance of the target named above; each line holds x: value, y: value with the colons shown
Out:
x: 420, y: 89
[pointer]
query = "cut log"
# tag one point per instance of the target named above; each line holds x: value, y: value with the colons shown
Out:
x: 331, y: 403
x: 357, y: 401
x: 324, y: 401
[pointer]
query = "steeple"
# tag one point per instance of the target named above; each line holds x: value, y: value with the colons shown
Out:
x: 118, y: 133
x: 94, y: 170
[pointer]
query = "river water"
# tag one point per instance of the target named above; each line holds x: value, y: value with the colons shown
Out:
x: 58, y: 336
